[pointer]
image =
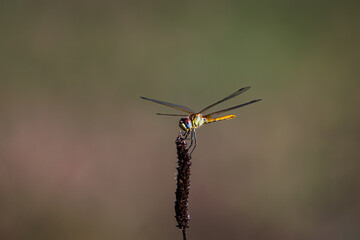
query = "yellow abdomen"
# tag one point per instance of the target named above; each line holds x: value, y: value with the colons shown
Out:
x: 209, y: 119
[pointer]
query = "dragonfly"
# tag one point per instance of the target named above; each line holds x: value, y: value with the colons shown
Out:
x: 192, y: 120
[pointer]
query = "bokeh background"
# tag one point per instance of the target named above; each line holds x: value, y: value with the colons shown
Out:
x: 83, y: 157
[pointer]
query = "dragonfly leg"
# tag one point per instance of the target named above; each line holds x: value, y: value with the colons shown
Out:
x: 191, y: 138
x: 186, y: 134
x: 193, y: 135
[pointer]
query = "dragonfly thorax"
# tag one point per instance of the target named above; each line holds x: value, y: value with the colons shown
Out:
x: 197, y: 120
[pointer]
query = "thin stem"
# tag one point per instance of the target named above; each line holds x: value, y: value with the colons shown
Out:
x: 184, y: 233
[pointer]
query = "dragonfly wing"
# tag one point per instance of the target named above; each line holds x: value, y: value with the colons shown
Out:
x: 170, y: 114
x: 241, y: 90
x: 232, y: 108
x: 172, y: 105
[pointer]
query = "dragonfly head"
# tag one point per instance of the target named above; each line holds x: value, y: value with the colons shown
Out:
x: 185, y: 124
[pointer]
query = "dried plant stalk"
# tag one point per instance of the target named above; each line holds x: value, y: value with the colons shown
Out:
x: 183, y: 185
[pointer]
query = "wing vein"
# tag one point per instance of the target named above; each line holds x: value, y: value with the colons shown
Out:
x: 172, y: 105
x: 232, y: 108
x: 241, y: 90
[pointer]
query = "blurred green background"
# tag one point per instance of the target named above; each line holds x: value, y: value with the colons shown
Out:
x: 83, y: 157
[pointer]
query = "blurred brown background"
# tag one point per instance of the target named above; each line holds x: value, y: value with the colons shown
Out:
x: 83, y: 157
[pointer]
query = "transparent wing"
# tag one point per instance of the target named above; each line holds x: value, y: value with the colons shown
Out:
x: 170, y: 114
x: 241, y: 90
x: 232, y: 108
x: 172, y: 105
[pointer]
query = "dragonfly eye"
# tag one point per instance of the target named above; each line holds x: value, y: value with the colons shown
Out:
x: 185, y: 124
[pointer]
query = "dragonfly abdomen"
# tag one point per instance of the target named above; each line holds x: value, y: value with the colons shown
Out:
x: 209, y: 119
